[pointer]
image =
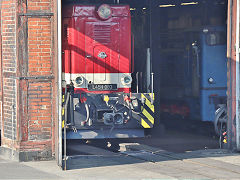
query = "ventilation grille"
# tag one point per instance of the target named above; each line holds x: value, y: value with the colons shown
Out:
x: 102, y: 33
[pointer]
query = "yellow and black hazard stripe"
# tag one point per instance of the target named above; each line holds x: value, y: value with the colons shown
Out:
x: 147, y: 115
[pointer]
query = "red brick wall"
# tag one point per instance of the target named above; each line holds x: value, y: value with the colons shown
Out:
x: 8, y: 85
x: 39, y: 64
x: 39, y: 46
x: 28, y: 75
x: 39, y: 92
x: 39, y: 109
x: 39, y: 5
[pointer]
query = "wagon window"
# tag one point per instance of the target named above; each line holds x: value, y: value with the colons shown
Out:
x: 216, y: 38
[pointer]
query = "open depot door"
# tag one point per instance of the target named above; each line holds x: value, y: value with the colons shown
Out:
x: 170, y: 38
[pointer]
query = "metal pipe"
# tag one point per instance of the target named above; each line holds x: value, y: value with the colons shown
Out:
x: 137, y: 79
x: 141, y: 82
x: 152, y: 75
x: 65, y: 131
x: 88, y: 115
x: 148, y: 70
x: 237, y: 80
x: 151, y: 43
x: 150, y: 34
x: 59, y: 40
x: 71, y: 108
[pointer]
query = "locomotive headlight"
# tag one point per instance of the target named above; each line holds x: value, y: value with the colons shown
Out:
x: 210, y: 80
x: 104, y: 11
x: 126, y: 79
x: 79, y: 80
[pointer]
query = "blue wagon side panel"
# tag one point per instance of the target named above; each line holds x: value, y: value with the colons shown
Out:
x: 213, y: 65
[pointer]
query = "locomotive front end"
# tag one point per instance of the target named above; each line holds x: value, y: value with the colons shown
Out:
x: 97, y: 81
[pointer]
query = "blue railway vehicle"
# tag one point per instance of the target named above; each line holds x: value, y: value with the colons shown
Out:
x: 194, y: 73
x: 211, y: 65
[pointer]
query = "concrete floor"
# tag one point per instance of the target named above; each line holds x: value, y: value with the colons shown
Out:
x: 172, y: 156
x: 206, y: 164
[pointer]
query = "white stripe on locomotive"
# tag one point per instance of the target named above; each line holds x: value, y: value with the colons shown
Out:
x: 102, y: 78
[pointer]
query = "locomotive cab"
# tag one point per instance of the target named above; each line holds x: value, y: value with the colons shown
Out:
x: 96, y: 73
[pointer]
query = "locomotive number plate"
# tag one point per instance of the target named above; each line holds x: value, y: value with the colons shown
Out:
x: 102, y: 87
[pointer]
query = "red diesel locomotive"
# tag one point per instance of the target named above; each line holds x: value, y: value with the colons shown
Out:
x: 96, y: 72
